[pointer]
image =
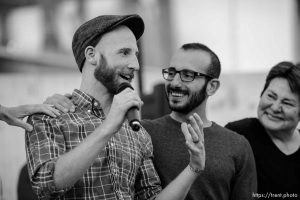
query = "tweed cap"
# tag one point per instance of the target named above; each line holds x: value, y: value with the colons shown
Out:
x: 89, y: 33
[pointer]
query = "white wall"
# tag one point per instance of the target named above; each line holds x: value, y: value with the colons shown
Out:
x: 248, y: 35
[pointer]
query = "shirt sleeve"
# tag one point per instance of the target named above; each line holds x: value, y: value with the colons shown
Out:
x: 44, y: 144
x: 147, y: 184
x: 245, y: 182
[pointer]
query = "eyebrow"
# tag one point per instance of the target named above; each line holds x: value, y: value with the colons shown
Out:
x: 128, y: 49
x: 124, y: 49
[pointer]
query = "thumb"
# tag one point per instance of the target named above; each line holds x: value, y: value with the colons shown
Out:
x: 23, y: 125
x: 28, y: 127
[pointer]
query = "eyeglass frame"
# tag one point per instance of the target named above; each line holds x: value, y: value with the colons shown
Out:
x: 196, y: 74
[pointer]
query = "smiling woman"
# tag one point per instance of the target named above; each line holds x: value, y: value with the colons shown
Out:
x: 274, y: 136
x: 278, y: 109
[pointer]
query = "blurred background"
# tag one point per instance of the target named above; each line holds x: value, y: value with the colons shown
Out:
x: 36, y: 61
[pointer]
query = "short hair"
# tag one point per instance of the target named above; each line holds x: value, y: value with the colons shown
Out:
x: 288, y: 71
x: 214, y: 69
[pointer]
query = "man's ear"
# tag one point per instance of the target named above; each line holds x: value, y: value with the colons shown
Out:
x: 90, y: 55
x: 212, y: 86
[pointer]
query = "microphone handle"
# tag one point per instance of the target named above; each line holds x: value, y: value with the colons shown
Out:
x: 133, y: 117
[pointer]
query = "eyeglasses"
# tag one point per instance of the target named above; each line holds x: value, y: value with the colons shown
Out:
x: 185, y: 74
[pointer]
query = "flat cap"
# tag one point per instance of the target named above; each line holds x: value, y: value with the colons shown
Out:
x: 89, y: 33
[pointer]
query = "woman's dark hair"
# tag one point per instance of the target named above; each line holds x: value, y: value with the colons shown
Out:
x: 288, y: 71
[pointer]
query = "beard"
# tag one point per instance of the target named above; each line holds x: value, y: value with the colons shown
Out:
x: 195, y: 100
x: 108, y: 76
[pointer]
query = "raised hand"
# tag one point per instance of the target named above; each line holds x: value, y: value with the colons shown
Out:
x: 194, y: 136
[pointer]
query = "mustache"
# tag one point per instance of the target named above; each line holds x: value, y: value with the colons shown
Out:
x: 127, y: 73
x: 171, y: 88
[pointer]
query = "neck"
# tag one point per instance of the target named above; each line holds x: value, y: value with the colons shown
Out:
x: 284, y: 136
x: 200, y: 110
x: 96, y: 89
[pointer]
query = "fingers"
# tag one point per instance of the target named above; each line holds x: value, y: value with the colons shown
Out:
x: 196, y: 128
x: 193, y: 132
x: 121, y: 103
x: 129, y: 98
x: 193, y: 147
x: 13, y: 121
x: 185, y: 131
x: 196, y: 148
x: 194, y: 136
x: 26, y: 126
x: 41, y: 108
x: 22, y: 124
x: 49, y: 110
x: 64, y: 105
x: 61, y: 107
x: 61, y: 102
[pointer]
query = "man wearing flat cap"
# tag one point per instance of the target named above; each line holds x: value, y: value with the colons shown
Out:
x: 93, y: 153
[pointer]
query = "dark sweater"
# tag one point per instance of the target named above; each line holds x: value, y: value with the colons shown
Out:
x: 276, y: 172
x: 229, y: 169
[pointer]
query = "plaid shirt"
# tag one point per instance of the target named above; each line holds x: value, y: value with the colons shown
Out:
x: 122, y: 170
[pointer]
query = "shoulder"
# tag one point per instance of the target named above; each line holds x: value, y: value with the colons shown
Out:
x: 40, y: 118
x: 244, y: 126
x: 42, y: 121
x: 227, y: 134
x: 47, y: 118
x: 228, y: 141
x: 150, y: 124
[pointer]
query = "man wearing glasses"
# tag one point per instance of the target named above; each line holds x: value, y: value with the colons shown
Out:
x: 229, y: 169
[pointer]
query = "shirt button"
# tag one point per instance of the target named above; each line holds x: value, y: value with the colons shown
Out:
x: 95, y: 104
x: 113, y: 169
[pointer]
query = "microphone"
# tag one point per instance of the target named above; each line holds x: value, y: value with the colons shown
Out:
x: 133, y: 115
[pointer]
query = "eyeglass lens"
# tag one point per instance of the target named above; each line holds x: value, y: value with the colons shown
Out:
x: 185, y: 75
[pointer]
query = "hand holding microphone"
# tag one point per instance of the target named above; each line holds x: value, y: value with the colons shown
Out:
x: 133, y: 115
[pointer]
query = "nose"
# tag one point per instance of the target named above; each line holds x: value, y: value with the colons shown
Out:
x: 177, y: 80
x: 134, y: 63
x: 276, y: 106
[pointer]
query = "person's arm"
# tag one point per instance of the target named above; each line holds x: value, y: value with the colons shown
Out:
x: 14, y: 115
x: 245, y: 181
x: 44, y: 144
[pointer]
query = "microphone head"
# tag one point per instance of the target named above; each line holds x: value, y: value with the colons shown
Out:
x: 135, y: 125
x: 123, y: 86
